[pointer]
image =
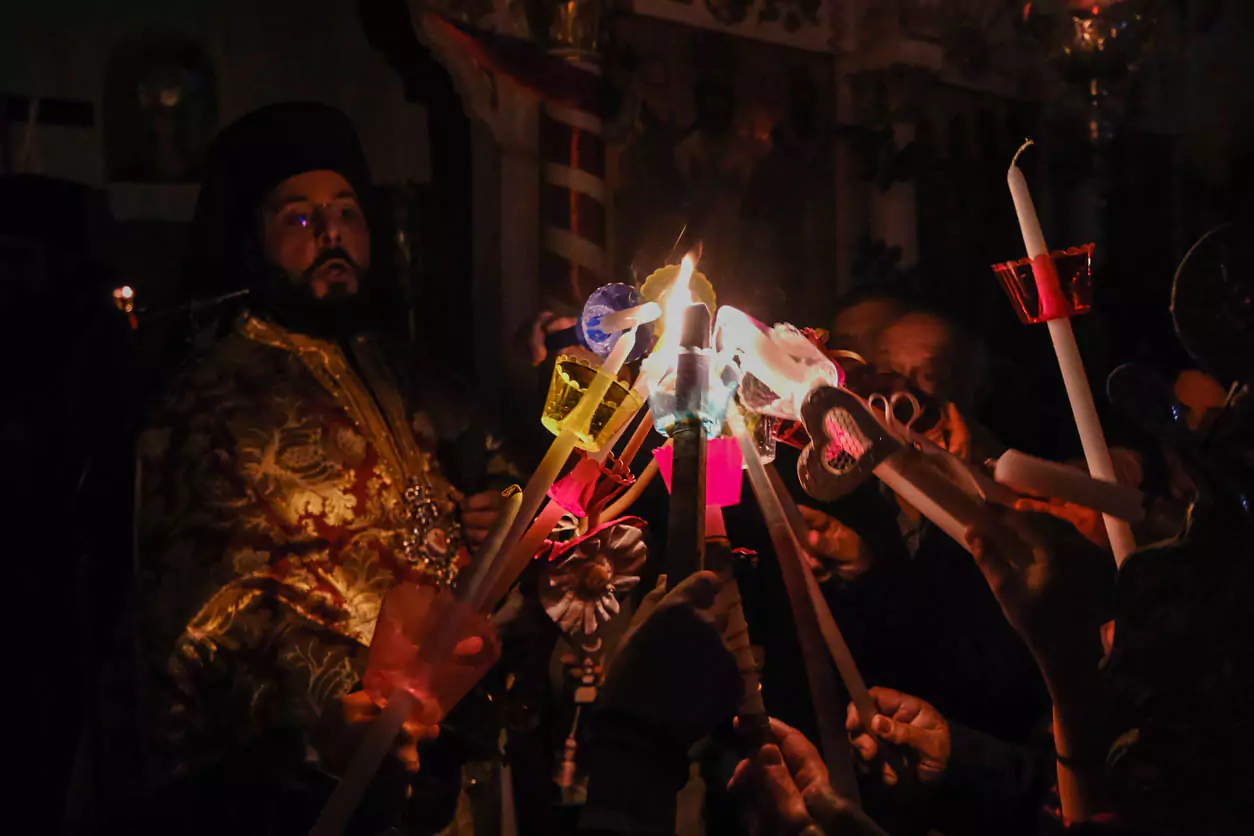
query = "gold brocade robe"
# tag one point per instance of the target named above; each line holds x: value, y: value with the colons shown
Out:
x: 271, y: 526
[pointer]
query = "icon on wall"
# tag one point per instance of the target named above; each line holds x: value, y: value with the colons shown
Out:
x: 160, y: 108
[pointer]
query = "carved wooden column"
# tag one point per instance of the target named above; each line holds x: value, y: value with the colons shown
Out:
x: 507, y: 200
x: 572, y: 150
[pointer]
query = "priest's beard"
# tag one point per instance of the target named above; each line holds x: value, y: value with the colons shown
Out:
x: 336, y: 316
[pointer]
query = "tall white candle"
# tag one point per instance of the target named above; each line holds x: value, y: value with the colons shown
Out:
x: 1096, y: 454
x: 1029, y: 225
x: 1029, y: 474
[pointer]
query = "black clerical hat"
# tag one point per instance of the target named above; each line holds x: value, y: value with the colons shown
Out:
x: 248, y: 159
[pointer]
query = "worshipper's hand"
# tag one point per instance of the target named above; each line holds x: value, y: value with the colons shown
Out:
x: 533, y: 335
x: 775, y: 804
x: 479, y: 513
x: 673, y: 671
x: 1128, y: 471
x: 343, y: 725
x: 1048, y: 578
x: 910, y: 723
x: 1085, y: 520
x: 952, y: 432
x: 787, y: 785
x: 1050, y: 581
x: 838, y: 549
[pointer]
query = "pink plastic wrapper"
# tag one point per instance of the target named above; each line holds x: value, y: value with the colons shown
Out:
x: 431, y: 645
x: 1049, y: 287
x: 575, y: 490
x: 723, y: 470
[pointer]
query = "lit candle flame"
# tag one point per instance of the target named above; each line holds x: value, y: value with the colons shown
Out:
x: 678, y: 299
x: 124, y: 301
x: 675, y: 302
x: 124, y: 298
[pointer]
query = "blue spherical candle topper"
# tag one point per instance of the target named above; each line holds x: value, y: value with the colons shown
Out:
x: 605, y: 300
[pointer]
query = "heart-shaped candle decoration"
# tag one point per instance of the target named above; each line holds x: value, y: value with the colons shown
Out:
x: 846, y: 443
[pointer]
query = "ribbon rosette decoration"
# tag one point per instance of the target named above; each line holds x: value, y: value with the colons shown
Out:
x: 581, y: 586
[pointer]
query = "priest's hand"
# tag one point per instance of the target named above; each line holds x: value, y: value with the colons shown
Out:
x: 910, y: 723
x: 479, y: 512
x: 343, y: 725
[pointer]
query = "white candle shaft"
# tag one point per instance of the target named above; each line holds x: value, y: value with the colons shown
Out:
x: 482, y: 562
x: 1092, y: 439
x: 837, y: 648
x: 944, y: 504
x: 1096, y: 453
x: 521, y: 553
x: 618, y: 355
x: 1029, y: 224
x: 1028, y: 474
x: 630, y: 317
x: 533, y: 495
x: 379, y: 740
x: 788, y: 553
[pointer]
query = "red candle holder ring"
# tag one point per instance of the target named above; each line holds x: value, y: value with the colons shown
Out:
x: 1054, y: 286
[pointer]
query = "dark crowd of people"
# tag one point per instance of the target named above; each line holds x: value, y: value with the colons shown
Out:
x: 214, y: 597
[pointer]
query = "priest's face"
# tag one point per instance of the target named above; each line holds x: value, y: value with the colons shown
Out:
x: 314, y: 231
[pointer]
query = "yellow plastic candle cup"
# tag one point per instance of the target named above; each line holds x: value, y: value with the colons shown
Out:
x: 611, y: 403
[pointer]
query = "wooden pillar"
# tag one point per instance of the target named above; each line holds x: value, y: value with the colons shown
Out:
x: 506, y: 211
x: 572, y: 153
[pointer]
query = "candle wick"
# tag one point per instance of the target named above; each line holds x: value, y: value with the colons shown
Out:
x: 1022, y: 148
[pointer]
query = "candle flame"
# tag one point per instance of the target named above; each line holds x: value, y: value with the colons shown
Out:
x: 124, y: 298
x: 677, y: 299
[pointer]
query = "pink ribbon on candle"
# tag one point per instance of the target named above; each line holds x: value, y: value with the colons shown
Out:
x: 1050, y: 299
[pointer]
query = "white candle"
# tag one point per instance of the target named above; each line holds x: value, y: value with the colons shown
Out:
x: 612, y: 323
x: 1029, y: 225
x: 1096, y: 454
x: 1028, y: 474
x: 931, y: 494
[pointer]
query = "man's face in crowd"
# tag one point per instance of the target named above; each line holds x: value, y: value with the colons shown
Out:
x: 313, y: 229
x: 919, y: 347
x: 1201, y: 395
x: 855, y: 327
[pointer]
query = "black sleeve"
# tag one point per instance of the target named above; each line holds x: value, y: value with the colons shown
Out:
x: 992, y: 786
x: 634, y: 774
x: 470, y: 447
